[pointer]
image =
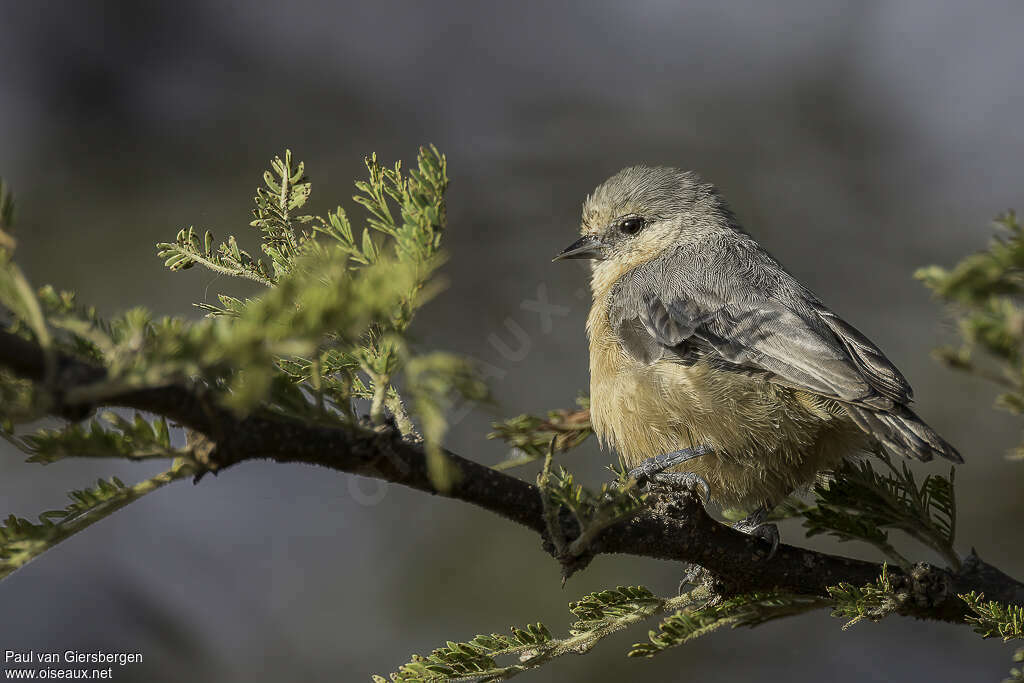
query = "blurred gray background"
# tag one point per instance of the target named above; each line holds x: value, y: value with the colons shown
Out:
x: 856, y: 140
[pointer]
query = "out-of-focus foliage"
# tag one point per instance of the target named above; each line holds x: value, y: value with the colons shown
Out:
x: 1016, y: 674
x: 986, y: 296
x: 15, y: 292
x: 6, y: 217
x: 22, y: 540
x: 109, y: 436
x: 329, y: 331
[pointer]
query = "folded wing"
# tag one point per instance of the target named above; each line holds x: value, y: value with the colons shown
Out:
x: 744, y: 313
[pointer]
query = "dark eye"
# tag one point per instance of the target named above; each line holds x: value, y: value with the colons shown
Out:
x: 631, y: 226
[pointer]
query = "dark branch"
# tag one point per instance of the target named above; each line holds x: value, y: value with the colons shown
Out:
x: 735, y: 560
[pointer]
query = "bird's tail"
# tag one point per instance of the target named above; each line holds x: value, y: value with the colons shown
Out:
x: 902, y: 431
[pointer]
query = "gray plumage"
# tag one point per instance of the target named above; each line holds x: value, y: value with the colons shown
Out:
x: 690, y: 288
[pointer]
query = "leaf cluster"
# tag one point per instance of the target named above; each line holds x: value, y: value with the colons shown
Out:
x: 108, y: 436
x: 602, y: 608
x: 859, y: 503
x: 597, y: 616
x: 741, y: 610
x: 530, y: 436
x: 473, y: 660
x: 985, y: 292
x: 329, y: 332
x: 993, y: 619
x: 22, y: 540
x: 872, y: 601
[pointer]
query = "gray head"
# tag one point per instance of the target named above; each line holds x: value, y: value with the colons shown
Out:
x: 641, y: 211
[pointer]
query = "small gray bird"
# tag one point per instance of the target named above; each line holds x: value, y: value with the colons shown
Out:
x: 706, y: 352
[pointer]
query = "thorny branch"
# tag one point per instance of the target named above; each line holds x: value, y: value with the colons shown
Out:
x: 682, y: 531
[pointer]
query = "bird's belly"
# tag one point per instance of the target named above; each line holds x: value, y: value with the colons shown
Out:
x: 767, y: 440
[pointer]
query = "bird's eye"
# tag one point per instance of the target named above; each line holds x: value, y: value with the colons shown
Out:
x: 631, y: 226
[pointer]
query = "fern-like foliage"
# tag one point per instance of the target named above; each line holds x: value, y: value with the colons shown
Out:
x: 473, y: 660
x: 603, y: 613
x: 861, y: 504
x: 329, y: 330
x: 741, y: 610
x: 530, y: 436
x: 109, y: 436
x: 593, y: 511
x: 598, y: 615
x: 871, y: 602
x: 22, y: 540
x: 189, y: 249
x: 986, y: 295
x: 286, y: 189
x: 993, y: 619
x: 604, y: 607
x: 613, y: 500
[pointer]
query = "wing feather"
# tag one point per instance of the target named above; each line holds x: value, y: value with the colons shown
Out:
x: 736, y: 309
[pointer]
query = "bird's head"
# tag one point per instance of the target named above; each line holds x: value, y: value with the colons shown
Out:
x: 640, y: 212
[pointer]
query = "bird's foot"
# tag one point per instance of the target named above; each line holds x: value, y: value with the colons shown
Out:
x: 693, y: 575
x: 653, y: 469
x: 651, y: 473
x: 755, y: 526
x: 659, y: 463
x: 681, y: 481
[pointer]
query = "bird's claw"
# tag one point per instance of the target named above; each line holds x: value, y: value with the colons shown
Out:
x: 686, y: 481
x: 691, y: 577
x: 755, y: 526
x: 659, y: 463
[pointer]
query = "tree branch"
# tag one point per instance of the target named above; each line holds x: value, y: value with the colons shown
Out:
x: 684, y: 533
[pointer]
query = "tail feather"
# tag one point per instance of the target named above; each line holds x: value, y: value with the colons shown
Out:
x: 902, y: 431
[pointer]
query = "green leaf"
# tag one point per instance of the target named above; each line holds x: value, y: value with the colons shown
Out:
x: 872, y: 601
x: 741, y: 610
x: 7, y: 241
x: 475, y: 659
x: 109, y: 436
x: 18, y: 296
x: 21, y: 541
x: 530, y: 436
x: 993, y: 619
x: 861, y: 504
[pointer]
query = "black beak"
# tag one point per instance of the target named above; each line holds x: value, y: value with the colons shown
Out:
x: 588, y: 246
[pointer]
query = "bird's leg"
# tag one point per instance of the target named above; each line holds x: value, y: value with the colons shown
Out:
x: 754, y: 525
x: 653, y: 470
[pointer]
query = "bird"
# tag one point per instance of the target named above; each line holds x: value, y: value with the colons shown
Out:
x: 709, y: 359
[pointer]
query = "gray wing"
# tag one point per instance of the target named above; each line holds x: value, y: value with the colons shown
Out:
x: 741, y: 310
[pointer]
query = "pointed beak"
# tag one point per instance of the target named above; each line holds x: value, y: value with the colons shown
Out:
x: 588, y: 246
